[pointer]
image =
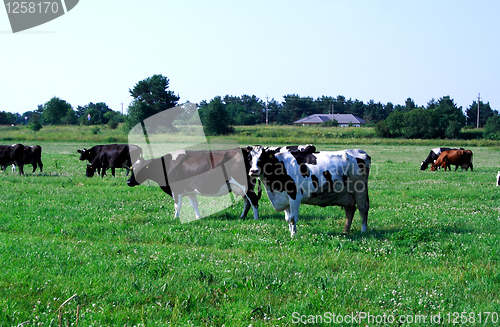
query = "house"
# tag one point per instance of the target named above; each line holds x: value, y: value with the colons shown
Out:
x: 343, y: 119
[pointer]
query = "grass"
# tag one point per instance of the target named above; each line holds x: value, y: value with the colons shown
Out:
x: 432, y: 248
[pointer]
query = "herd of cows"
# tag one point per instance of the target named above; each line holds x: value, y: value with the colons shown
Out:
x: 291, y: 175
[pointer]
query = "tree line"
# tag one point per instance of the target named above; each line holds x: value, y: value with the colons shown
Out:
x: 438, y: 119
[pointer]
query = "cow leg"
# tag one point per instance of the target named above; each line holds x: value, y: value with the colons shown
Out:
x: 40, y: 165
x: 13, y: 168
x: 194, y: 203
x: 177, y: 205
x: 349, y: 215
x: 250, y: 201
x: 128, y: 170
x: 34, y: 167
x: 292, y: 216
x: 113, y: 171
x: 246, y: 207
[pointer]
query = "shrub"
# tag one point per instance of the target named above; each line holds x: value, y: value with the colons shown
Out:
x: 112, y: 124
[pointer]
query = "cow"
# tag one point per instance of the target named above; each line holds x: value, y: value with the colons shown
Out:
x: 433, y: 155
x: 191, y: 173
x: 32, y: 156
x: 108, y: 156
x: 462, y: 158
x: 12, y: 154
x: 498, y: 179
x: 325, y: 178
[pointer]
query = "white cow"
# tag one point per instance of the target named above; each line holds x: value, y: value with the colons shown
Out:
x: 321, y: 178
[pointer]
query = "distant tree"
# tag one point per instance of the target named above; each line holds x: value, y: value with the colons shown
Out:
x: 7, y: 118
x: 492, y: 127
x: 330, y: 123
x: 151, y: 96
x: 447, y: 112
x: 70, y: 118
x: 54, y: 111
x: 35, y: 125
x: 485, y: 112
x: 215, y: 118
x: 97, y: 112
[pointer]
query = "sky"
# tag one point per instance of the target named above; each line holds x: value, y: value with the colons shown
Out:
x: 385, y: 51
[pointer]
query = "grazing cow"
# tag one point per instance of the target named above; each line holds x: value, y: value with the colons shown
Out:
x: 12, y: 154
x: 33, y: 156
x: 321, y: 178
x: 109, y: 156
x: 462, y: 158
x: 433, y: 155
x: 208, y: 173
x: 498, y: 179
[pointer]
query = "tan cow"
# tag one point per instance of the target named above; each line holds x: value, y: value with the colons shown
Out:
x: 462, y: 158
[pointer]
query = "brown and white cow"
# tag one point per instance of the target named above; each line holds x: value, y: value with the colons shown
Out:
x: 326, y: 178
x: 462, y: 158
x: 12, y: 154
x: 433, y: 155
x: 191, y: 173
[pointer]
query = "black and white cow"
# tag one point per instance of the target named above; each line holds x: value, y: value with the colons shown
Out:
x: 319, y: 178
x: 191, y: 173
x: 12, y: 154
x: 498, y: 179
x: 433, y: 155
x: 109, y: 156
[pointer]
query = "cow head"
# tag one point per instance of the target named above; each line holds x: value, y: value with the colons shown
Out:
x: 84, y: 154
x: 90, y: 171
x: 424, y: 165
x: 141, y: 171
x: 257, y: 159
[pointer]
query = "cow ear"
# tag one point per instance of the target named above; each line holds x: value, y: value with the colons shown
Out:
x: 79, y: 151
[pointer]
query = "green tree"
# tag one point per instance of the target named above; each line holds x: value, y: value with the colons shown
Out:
x: 215, y: 118
x: 492, y: 128
x: 485, y: 112
x: 151, y: 96
x: 35, y: 124
x: 71, y: 118
x: 97, y: 113
x: 54, y: 111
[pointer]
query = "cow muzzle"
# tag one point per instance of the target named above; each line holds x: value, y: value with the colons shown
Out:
x: 255, y: 172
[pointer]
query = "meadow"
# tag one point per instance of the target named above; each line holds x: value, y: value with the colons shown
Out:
x: 431, y: 249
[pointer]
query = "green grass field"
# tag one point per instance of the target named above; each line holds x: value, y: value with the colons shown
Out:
x: 431, y: 249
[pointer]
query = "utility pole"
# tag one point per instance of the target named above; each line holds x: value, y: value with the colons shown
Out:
x: 267, y: 108
x: 478, y: 98
x: 122, y: 107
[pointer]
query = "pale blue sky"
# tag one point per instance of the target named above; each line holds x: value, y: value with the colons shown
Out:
x: 380, y: 50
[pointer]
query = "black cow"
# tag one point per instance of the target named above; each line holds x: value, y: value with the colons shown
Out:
x: 433, y: 155
x: 113, y: 156
x: 33, y: 156
x: 12, y: 154
x: 108, y: 156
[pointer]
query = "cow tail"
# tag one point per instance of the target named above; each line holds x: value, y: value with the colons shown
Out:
x: 259, y: 192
